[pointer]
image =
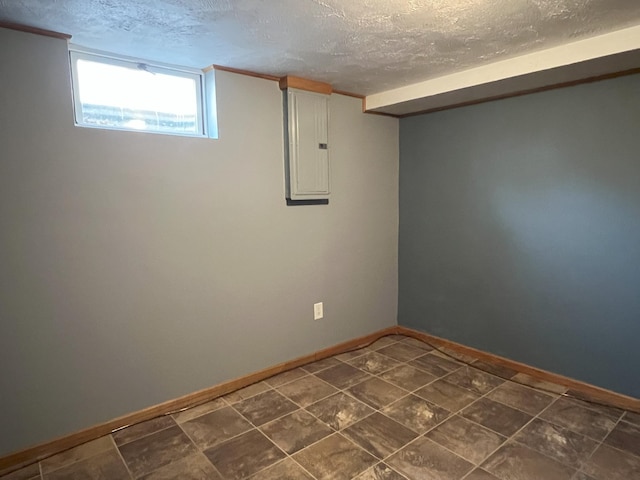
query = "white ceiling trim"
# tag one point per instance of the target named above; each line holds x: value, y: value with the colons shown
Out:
x: 442, y: 90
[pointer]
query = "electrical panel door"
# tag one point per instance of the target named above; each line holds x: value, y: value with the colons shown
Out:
x: 307, y: 145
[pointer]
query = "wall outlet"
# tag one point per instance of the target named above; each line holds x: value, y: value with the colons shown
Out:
x: 318, y: 312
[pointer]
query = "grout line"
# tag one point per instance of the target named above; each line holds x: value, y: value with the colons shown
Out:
x: 269, y: 388
x: 302, y: 467
x: 286, y: 455
x: 126, y: 466
x: 598, y: 443
x: 538, y: 417
x: 345, y: 390
x: 555, y: 422
x: 506, y: 438
x: 604, y: 440
x: 409, y: 393
x: 338, y: 433
x: 95, y: 454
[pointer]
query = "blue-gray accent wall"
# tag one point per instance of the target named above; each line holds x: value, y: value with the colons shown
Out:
x: 520, y: 229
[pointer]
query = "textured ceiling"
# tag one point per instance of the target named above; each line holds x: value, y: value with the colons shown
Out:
x: 363, y: 46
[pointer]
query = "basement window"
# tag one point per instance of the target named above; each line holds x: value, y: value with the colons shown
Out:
x: 125, y: 94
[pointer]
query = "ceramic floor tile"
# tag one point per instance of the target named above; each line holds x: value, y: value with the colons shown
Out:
x: 321, y: 365
x: 143, y: 429
x: 625, y: 437
x: 154, y: 451
x: 426, y: 460
x: 447, y: 395
x: 555, y: 446
x: 384, y: 342
x: 216, y: 427
x: 286, y: 377
x: 374, y: 363
x: 435, y: 365
x: 192, y: 467
x: 608, y: 463
x: 467, y: 439
x: 496, y: 416
x: 494, y: 369
x: 403, y: 352
x: 516, y: 462
x: 556, y: 442
x: 78, y: 453
x: 296, y: 431
x: 27, y: 473
x: 103, y: 466
x: 335, y: 458
x: 479, y: 474
x: 340, y: 410
x: 416, y: 413
x: 307, y: 390
x: 474, y: 380
x: 376, y: 392
x: 521, y: 397
x: 287, y: 469
x: 265, y: 407
x: 343, y: 376
x: 199, y: 410
x: 581, y: 420
x: 244, y: 455
x: 379, y: 435
x: 380, y: 472
x: 416, y: 343
x: 588, y: 402
x: 408, y: 377
x: 633, y: 418
x: 247, y: 392
x: 582, y: 476
x: 347, y: 356
x: 451, y: 354
x: 539, y: 384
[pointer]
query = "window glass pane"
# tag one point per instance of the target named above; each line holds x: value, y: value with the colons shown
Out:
x: 114, y: 96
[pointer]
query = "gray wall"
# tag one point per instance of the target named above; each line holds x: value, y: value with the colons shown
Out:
x: 520, y: 229
x: 136, y: 268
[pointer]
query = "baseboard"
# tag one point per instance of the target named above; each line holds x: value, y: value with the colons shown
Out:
x: 39, y: 452
x: 585, y: 389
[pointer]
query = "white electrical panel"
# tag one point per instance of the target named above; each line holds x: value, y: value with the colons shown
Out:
x: 307, y: 145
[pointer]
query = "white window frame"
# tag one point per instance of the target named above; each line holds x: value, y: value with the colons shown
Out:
x: 78, y: 53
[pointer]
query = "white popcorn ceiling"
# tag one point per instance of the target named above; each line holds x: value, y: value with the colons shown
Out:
x: 362, y: 46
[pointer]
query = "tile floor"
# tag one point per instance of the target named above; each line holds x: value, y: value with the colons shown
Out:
x: 394, y: 410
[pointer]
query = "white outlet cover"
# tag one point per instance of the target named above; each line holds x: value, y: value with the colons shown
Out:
x: 317, y: 311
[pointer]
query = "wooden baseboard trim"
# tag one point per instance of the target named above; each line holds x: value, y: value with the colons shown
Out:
x: 589, y: 391
x: 39, y: 452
